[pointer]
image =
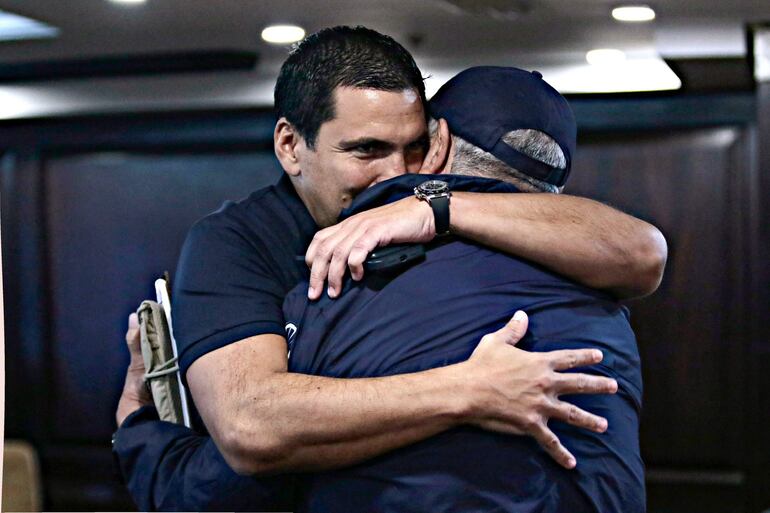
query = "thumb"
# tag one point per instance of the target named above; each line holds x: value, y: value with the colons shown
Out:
x: 133, y: 321
x: 515, y: 329
x: 132, y: 335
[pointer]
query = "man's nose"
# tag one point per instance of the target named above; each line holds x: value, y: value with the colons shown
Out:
x: 395, y: 165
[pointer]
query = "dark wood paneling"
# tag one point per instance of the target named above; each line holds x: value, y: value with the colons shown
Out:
x: 685, y: 183
x: 26, y: 319
x: 662, y: 112
x: 758, y: 454
x: 692, y: 334
x: 93, y: 209
x: 116, y: 221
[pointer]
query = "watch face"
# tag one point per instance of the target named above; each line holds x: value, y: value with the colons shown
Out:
x: 434, y: 187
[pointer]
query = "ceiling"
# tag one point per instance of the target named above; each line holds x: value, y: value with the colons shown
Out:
x: 546, y: 31
x: 443, y: 35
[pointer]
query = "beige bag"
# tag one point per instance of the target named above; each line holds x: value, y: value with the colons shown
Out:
x: 160, y: 365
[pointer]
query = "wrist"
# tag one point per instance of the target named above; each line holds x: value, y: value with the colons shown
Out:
x: 460, y: 393
x: 127, y: 406
x: 427, y: 217
x: 135, y: 387
x: 437, y: 194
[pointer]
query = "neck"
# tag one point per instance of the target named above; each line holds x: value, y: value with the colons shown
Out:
x: 322, y: 217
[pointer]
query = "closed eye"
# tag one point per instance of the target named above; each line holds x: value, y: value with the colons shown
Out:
x: 371, y: 149
x: 422, y: 144
x: 366, y: 148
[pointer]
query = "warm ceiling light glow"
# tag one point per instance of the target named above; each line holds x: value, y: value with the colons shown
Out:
x: 633, y: 13
x: 282, y: 34
x: 605, y: 56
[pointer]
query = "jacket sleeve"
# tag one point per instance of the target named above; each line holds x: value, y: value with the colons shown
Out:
x: 168, y: 467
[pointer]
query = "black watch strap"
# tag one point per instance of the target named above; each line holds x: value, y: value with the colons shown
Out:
x: 440, y: 206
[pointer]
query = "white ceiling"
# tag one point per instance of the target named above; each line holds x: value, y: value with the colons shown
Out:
x: 442, y: 37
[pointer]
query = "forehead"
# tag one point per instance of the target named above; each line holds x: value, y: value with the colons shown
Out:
x: 378, y: 114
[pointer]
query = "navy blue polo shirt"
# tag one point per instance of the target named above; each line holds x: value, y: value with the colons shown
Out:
x: 236, y: 266
x: 235, y: 269
x: 434, y: 314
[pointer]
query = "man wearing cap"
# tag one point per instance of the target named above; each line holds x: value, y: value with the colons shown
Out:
x: 435, y: 312
x: 399, y: 432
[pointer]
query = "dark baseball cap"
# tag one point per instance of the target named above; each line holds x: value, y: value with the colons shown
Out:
x: 483, y: 103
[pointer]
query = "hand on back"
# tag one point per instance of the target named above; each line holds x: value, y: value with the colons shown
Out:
x: 517, y: 392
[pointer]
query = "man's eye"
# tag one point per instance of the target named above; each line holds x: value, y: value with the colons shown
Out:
x: 419, y: 149
x: 420, y: 146
x: 368, y: 150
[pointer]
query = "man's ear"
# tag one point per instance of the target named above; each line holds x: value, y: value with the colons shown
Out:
x: 287, y: 143
x: 438, y: 152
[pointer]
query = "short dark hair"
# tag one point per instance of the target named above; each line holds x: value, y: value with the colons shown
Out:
x: 340, y: 57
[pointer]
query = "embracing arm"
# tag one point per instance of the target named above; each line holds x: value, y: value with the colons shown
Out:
x: 266, y: 420
x: 582, y: 239
x: 169, y: 467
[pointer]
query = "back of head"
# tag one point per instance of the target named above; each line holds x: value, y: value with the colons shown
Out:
x: 508, y: 123
x: 339, y: 57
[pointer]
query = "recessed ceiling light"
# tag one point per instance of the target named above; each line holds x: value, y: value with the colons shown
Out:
x: 283, y: 34
x: 633, y: 13
x: 631, y: 75
x: 605, y: 56
x: 128, y: 1
x: 14, y: 27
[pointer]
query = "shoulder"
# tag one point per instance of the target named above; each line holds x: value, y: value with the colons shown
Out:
x: 231, y: 239
x: 239, y: 216
x: 272, y: 216
x: 260, y: 235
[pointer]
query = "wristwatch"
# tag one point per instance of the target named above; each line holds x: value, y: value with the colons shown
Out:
x: 437, y: 194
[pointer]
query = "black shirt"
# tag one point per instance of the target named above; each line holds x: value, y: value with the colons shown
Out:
x: 236, y: 266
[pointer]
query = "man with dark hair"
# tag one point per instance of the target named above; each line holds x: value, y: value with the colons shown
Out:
x: 339, y: 57
x: 337, y: 65
x: 238, y: 264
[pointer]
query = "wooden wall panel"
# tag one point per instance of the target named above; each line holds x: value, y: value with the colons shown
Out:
x: 687, y: 184
x: 115, y: 222
x: 758, y: 443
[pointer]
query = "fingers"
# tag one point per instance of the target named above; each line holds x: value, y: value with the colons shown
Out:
x: 515, y: 329
x: 134, y: 343
x: 356, y: 260
x: 338, y: 265
x: 567, y: 384
x: 132, y: 334
x: 351, y: 254
x: 318, y: 239
x: 566, y: 359
x: 316, y: 257
x: 328, y: 256
x: 571, y: 414
x: 552, y: 445
x: 330, y: 261
x: 318, y: 269
x: 331, y: 253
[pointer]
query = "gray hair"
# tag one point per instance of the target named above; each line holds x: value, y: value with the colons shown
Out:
x: 472, y: 160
